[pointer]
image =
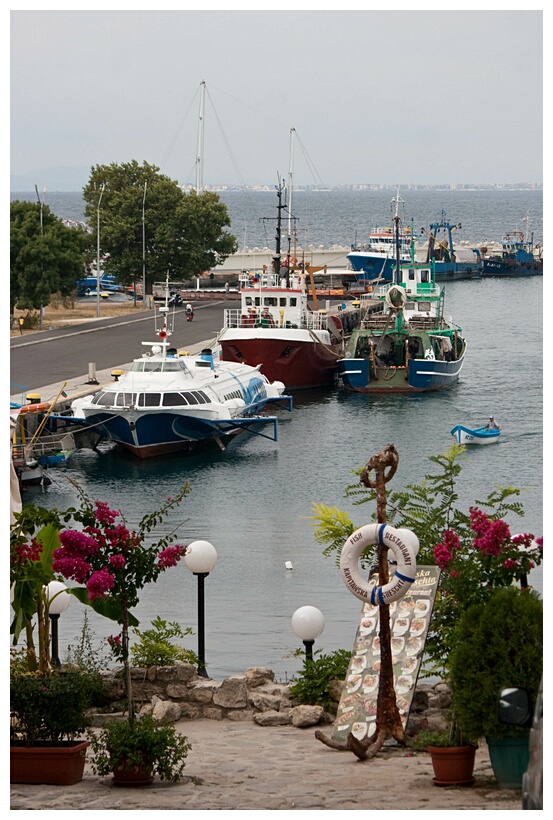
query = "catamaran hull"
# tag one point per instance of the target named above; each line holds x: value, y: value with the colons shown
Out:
x: 155, y: 434
x: 299, y: 363
x: 421, y: 376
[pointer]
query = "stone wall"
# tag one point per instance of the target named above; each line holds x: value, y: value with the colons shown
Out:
x: 176, y: 692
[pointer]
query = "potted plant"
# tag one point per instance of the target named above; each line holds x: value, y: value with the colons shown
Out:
x: 47, y: 721
x: 114, y: 564
x: 135, y: 752
x: 451, y: 753
x: 47, y: 706
x: 500, y: 644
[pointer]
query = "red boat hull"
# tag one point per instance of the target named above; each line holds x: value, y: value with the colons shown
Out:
x: 298, y: 364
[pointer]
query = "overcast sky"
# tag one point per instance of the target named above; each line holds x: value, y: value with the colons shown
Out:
x: 375, y: 96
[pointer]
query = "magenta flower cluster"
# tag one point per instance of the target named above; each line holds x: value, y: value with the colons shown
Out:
x: 492, y: 538
x: 98, y: 555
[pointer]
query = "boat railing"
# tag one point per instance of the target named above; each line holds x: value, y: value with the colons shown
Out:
x: 374, y: 321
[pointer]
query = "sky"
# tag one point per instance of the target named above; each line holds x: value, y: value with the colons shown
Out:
x: 382, y: 97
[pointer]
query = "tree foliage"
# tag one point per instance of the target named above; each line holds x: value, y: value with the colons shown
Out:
x: 429, y: 510
x: 182, y: 234
x: 46, y: 257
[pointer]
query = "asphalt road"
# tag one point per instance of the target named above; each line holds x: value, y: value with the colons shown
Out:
x: 52, y: 356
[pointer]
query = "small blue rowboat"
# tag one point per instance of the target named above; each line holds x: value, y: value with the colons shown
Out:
x: 481, y: 435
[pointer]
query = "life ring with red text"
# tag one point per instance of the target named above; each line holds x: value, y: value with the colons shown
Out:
x: 404, y: 545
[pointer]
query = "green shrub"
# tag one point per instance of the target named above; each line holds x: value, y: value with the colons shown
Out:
x: 447, y: 739
x: 500, y: 644
x: 142, y: 743
x: 155, y: 648
x: 49, y: 708
x: 312, y: 686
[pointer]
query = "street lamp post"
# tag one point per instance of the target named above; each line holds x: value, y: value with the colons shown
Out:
x: 308, y: 623
x: 58, y: 601
x: 143, y: 251
x: 41, y: 203
x: 98, y: 253
x: 200, y: 558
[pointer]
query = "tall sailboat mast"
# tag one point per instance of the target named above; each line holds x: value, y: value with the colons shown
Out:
x: 290, y: 187
x: 200, y: 150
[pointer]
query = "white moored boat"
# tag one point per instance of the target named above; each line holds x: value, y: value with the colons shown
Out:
x: 168, y: 402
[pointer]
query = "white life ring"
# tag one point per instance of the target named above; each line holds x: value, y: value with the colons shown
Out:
x: 403, y: 543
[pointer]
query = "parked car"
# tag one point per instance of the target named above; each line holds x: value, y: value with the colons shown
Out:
x: 515, y: 708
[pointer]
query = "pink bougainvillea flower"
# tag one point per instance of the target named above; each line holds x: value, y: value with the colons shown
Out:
x: 29, y: 552
x: 100, y: 583
x: 104, y: 514
x: 170, y: 556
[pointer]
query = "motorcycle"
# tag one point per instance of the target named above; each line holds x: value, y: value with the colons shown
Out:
x: 189, y: 314
x: 175, y: 299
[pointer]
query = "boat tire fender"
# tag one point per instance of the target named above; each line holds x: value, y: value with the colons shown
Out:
x: 404, y: 545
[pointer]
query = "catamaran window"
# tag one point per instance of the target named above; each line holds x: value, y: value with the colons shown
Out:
x: 105, y: 399
x: 236, y: 394
x: 149, y: 399
x: 293, y: 301
x: 249, y: 301
x: 424, y: 307
x: 282, y: 301
x: 173, y: 399
x: 125, y: 400
x: 424, y: 276
x: 270, y: 301
x: 201, y: 396
x: 257, y: 301
x: 409, y: 306
x: 171, y: 367
x: 411, y: 273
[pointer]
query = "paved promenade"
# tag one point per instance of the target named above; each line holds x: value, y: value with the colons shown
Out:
x: 240, y: 765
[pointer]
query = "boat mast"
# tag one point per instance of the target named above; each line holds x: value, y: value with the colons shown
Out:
x: 396, y: 221
x: 290, y: 188
x: 276, y: 259
x: 200, y: 150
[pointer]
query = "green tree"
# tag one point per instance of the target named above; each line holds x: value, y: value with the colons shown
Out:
x: 182, y: 234
x: 474, y: 560
x: 46, y: 257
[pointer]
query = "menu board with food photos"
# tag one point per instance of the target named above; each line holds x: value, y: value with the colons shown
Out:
x: 409, y: 620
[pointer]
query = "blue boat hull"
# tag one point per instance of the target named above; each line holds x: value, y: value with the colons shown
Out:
x: 422, y: 375
x: 157, y: 433
x: 373, y: 267
x: 511, y: 270
x: 481, y: 435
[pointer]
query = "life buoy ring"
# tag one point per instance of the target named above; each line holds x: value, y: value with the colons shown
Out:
x: 35, y: 408
x: 403, y: 543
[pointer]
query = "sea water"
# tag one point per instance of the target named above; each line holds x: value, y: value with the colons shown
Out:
x: 254, y: 501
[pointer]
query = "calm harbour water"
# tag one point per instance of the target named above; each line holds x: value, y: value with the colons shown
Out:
x: 253, y: 501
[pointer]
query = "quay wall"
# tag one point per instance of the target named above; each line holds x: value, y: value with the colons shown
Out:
x: 178, y: 692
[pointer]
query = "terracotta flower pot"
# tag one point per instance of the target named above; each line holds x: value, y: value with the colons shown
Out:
x: 453, y: 765
x: 138, y: 776
x: 56, y: 765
